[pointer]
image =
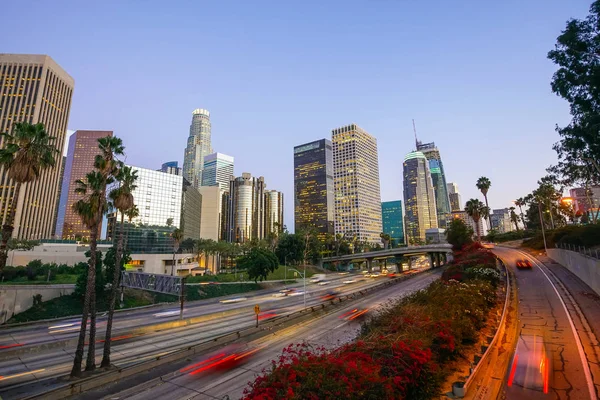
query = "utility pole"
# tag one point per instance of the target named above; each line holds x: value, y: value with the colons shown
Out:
x: 181, y: 297
x: 542, y: 224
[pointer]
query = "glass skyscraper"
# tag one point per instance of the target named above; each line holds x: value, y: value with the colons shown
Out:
x: 313, y: 187
x: 454, y: 196
x: 198, y: 147
x: 218, y: 169
x: 273, y: 211
x: 171, y: 167
x: 391, y: 217
x: 246, y: 220
x: 438, y: 177
x: 419, y: 198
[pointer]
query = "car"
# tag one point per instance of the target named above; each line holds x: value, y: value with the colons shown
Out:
x: 531, y: 367
x: 357, y: 313
x: 234, y: 300
x: 349, y: 281
x: 524, y: 263
x: 323, y: 283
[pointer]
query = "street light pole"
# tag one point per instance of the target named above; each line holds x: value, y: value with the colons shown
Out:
x: 542, y: 224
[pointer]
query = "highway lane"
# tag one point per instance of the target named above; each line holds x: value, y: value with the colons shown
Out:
x: 548, y: 362
x: 329, y: 331
x: 17, y: 378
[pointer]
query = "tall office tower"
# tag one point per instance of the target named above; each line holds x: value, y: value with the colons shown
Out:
x: 419, y: 198
x: 191, y: 207
x: 198, y: 147
x: 81, y: 153
x: 313, y: 187
x: 211, y: 214
x: 34, y: 89
x: 218, y: 168
x: 356, y: 183
x: 454, y: 196
x: 273, y: 211
x: 391, y: 216
x: 246, y: 220
x: 438, y: 178
x: 171, y: 167
x: 501, y: 221
x: 470, y: 222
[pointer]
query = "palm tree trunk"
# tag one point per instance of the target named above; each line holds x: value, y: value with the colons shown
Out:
x: 522, y: 218
x: 489, y: 212
x: 173, y: 265
x: 7, y: 228
x: 113, y: 297
x: 477, y: 230
x: 76, y: 370
x: 90, y: 363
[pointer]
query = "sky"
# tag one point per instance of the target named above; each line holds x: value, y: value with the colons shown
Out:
x: 274, y: 74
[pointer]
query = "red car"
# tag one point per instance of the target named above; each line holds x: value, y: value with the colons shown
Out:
x: 524, y: 264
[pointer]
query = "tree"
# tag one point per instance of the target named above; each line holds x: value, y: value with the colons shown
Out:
x: 25, y: 154
x: 514, y: 218
x: 177, y: 236
x: 122, y: 200
x: 577, y: 80
x: 290, y: 249
x: 520, y: 202
x: 475, y: 208
x: 458, y: 233
x: 82, y: 278
x: 110, y: 261
x: 258, y: 262
x: 484, y: 184
x: 131, y: 214
x: 385, y: 238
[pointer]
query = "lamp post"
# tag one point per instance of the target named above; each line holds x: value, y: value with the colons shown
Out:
x: 542, y: 224
x: 568, y: 201
x: 304, y: 279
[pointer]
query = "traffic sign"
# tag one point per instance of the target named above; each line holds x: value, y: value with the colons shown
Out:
x: 257, y: 309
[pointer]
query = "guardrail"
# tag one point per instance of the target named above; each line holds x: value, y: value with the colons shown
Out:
x: 594, y: 253
x: 266, y: 328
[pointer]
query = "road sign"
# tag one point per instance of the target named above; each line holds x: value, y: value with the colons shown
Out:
x: 257, y: 309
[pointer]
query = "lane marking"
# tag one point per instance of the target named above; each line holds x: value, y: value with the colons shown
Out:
x: 3, y: 378
x: 584, y: 360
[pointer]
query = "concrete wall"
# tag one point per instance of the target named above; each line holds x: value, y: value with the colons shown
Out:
x: 586, y: 268
x: 15, y: 299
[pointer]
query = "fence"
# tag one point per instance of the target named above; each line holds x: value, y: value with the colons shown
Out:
x: 594, y: 253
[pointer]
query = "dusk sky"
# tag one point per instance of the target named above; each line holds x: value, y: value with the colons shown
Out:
x: 274, y: 74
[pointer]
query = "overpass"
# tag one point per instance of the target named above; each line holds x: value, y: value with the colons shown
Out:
x: 438, y: 255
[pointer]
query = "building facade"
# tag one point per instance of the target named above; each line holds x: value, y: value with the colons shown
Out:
x: 438, y: 180
x: 218, y: 169
x: 419, y: 198
x: 392, y: 220
x: 171, y: 167
x: 34, y: 89
x: 273, y: 211
x: 454, y: 197
x: 313, y: 187
x: 198, y: 147
x: 81, y: 153
x: 586, y: 200
x: 356, y: 184
x: 246, y: 219
x: 211, y: 214
x: 191, y: 207
x: 501, y: 220
x: 470, y: 222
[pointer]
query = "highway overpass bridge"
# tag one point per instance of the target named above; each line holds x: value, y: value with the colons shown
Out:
x: 438, y: 255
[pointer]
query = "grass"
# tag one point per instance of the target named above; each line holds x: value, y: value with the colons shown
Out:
x: 60, y: 279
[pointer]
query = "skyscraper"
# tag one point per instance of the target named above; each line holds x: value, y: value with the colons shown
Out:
x: 218, y: 168
x: 356, y: 182
x: 419, y: 198
x: 438, y: 178
x: 454, y: 196
x: 273, y: 211
x: 313, y: 187
x: 246, y: 220
x: 171, y: 167
x: 391, y: 216
x: 34, y: 89
x: 198, y: 147
x: 82, y: 151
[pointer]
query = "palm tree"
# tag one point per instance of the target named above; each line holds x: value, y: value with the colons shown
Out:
x: 25, y: 154
x: 484, y: 184
x: 475, y: 208
x: 131, y: 214
x: 514, y: 218
x: 122, y: 199
x: 520, y: 202
x: 177, y: 236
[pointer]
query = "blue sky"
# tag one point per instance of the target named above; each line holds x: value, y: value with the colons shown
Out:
x: 274, y: 74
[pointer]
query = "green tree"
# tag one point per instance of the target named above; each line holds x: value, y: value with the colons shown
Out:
x: 458, y: 233
x: 475, y: 208
x: 520, y: 202
x: 258, y: 262
x: 177, y: 236
x: 290, y: 249
x: 24, y: 155
x: 110, y: 260
x: 484, y: 184
x: 514, y: 218
x: 385, y: 238
x: 82, y: 278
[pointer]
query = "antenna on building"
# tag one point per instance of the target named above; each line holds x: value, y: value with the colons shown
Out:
x: 415, y: 131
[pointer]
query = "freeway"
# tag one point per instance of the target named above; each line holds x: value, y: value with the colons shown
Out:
x: 196, y: 379
x: 36, y: 372
x: 553, y: 350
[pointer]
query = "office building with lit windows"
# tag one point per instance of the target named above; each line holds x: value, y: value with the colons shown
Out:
x: 81, y: 153
x: 313, y: 187
x: 392, y: 220
x: 356, y: 184
x: 198, y: 147
x: 34, y: 89
x: 438, y: 179
x: 273, y: 211
x: 454, y: 197
x: 419, y: 198
x: 218, y: 169
x: 171, y: 167
x: 246, y: 219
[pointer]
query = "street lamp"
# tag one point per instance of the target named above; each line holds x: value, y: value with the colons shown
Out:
x: 304, y: 279
x: 568, y: 201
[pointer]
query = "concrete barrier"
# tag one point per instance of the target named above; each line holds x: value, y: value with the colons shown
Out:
x: 585, y: 268
x: 15, y: 299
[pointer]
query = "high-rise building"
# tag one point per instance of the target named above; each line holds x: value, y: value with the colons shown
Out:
x: 586, y: 200
x: 501, y: 221
x: 171, y: 167
x: 34, y: 89
x: 356, y: 183
x: 81, y: 153
x: 391, y: 217
x: 454, y: 196
x: 313, y: 187
x: 438, y: 179
x: 218, y: 168
x: 191, y: 206
x: 198, y: 147
x: 211, y: 214
x: 419, y: 198
x: 273, y: 211
x: 246, y: 220
x: 470, y: 222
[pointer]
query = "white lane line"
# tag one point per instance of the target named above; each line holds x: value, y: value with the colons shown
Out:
x: 584, y: 361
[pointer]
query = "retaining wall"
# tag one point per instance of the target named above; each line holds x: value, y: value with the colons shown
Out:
x: 586, y: 268
x: 15, y: 299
